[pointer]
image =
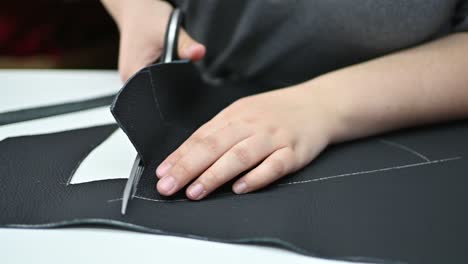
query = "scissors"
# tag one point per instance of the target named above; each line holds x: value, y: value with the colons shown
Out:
x: 168, y: 54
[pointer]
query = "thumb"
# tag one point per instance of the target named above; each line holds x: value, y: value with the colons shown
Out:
x: 188, y: 48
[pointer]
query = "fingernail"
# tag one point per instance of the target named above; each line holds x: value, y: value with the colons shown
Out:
x: 240, y: 187
x: 166, y: 184
x: 196, y: 191
x: 163, y: 169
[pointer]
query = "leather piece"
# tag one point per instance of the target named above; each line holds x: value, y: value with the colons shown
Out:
x: 53, y: 110
x: 150, y: 116
x: 35, y: 173
x: 396, y: 198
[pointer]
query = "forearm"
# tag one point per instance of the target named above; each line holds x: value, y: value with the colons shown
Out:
x: 425, y: 84
x: 123, y: 11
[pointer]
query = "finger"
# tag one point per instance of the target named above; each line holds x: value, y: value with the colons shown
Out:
x: 241, y: 157
x: 200, y: 157
x: 134, y: 54
x: 188, y: 48
x: 215, y: 124
x: 278, y: 164
x: 202, y: 132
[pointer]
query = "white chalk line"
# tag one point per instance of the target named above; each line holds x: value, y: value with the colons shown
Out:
x: 401, y: 146
x: 412, y: 165
x: 148, y: 199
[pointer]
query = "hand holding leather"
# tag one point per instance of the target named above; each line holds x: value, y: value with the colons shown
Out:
x: 268, y: 135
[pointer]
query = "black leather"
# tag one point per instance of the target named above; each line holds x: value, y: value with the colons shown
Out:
x: 396, y: 198
x: 53, y: 110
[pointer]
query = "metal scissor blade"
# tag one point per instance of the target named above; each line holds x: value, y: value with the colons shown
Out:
x: 168, y: 55
x: 132, y: 181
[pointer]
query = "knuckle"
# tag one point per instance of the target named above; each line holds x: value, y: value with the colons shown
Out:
x: 272, y: 130
x: 282, y: 165
x: 229, y: 125
x: 195, y: 138
x: 192, y: 141
x: 211, y: 178
x: 285, y: 138
x: 211, y: 143
x: 174, y: 157
x: 242, y: 155
x: 277, y: 167
x: 182, y: 169
x: 251, y: 120
x: 280, y: 132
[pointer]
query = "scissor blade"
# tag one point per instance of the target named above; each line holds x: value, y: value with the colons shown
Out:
x: 135, y: 173
x: 170, y: 44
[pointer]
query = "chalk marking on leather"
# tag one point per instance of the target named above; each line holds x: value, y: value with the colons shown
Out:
x: 177, y: 200
x: 372, y: 171
x: 154, y: 96
x: 148, y: 199
x: 318, y: 179
x: 114, y: 200
x: 157, y: 200
x: 403, y: 147
x: 166, y: 201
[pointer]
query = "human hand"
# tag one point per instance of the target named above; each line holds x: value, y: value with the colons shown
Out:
x: 272, y: 133
x: 142, y: 26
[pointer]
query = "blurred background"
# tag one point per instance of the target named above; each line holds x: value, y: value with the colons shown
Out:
x: 63, y: 34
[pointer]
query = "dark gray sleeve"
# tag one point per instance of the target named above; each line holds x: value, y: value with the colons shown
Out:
x: 460, y: 20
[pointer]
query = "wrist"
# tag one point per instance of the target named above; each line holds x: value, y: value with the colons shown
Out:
x: 332, y: 113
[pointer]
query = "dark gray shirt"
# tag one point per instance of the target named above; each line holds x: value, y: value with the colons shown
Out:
x: 277, y: 43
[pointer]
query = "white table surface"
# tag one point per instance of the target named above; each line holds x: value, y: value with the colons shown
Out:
x: 27, y: 88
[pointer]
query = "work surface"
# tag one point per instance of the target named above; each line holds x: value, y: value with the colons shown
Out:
x: 20, y: 89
